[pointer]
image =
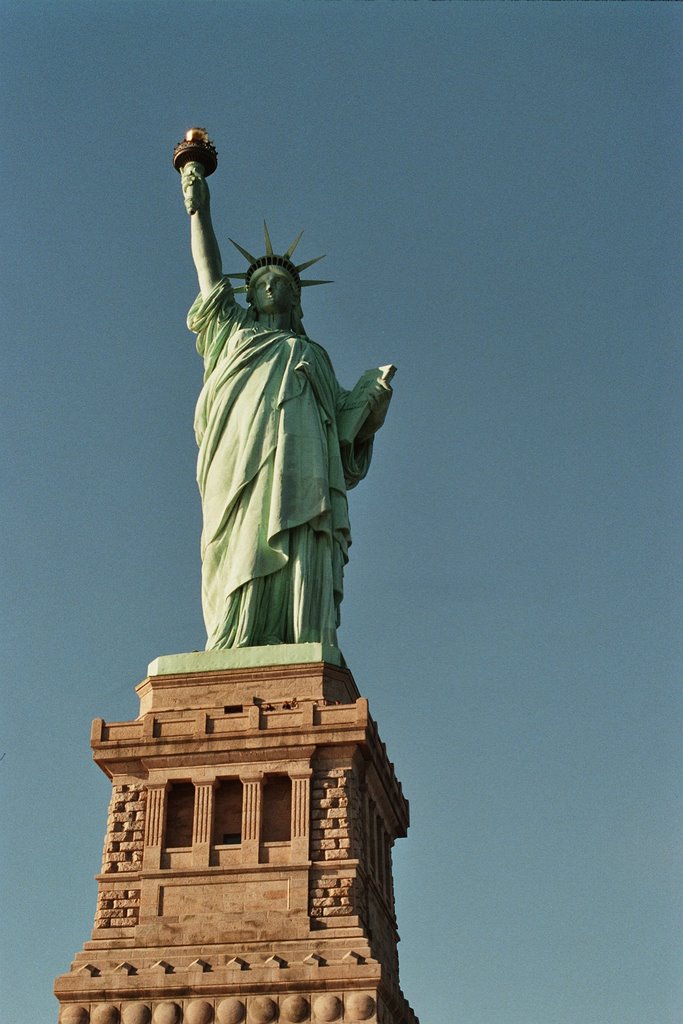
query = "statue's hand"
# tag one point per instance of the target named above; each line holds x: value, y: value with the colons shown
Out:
x: 195, y: 188
x: 378, y: 400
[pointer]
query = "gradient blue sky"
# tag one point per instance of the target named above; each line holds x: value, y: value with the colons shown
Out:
x: 498, y: 189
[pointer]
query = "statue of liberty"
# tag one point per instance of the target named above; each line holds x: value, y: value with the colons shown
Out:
x: 280, y: 443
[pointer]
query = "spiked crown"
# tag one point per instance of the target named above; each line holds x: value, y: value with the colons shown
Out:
x: 271, y: 259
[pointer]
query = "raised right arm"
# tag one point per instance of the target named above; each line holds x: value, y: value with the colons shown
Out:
x: 205, y: 251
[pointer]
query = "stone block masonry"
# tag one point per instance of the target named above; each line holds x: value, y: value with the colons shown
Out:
x: 124, y: 840
x: 117, y: 908
x: 336, y: 835
x: 336, y: 819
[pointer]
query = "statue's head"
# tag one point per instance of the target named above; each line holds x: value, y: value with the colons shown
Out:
x: 273, y: 280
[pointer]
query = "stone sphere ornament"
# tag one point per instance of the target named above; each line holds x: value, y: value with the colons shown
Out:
x: 230, y: 1011
x: 196, y: 147
x: 359, y: 1006
x: 74, y: 1015
x: 327, y: 1008
x: 136, y: 1013
x: 198, y: 1012
x: 105, y: 1013
x: 167, y: 1013
x: 262, y: 1009
x: 294, y: 1009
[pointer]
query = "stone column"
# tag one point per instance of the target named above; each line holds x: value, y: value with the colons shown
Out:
x: 252, y: 805
x: 301, y: 814
x: 390, y: 876
x: 380, y: 847
x: 370, y: 836
x: 154, y: 825
x: 202, y: 823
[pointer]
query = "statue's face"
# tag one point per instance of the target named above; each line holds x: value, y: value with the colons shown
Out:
x: 272, y: 290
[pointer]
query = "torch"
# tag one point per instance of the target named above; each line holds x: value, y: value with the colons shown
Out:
x: 197, y: 147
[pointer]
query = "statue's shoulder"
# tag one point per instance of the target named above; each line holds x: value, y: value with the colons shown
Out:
x: 215, y: 318
x: 321, y: 356
x: 317, y: 349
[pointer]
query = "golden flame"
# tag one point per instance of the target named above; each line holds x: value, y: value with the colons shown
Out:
x: 197, y: 135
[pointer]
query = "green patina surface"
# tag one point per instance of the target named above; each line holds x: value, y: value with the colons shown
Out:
x: 280, y: 443
x: 245, y: 657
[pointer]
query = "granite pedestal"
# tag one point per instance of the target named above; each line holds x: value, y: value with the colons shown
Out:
x: 246, y: 872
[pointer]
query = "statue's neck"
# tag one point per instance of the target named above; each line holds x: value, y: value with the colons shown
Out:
x: 276, y: 321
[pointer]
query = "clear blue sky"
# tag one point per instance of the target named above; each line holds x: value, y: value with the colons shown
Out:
x: 498, y: 189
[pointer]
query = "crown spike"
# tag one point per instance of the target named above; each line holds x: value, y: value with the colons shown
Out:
x: 288, y: 254
x: 266, y: 236
x: 309, y: 263
x: 247, y: 255
x: 271, y: 259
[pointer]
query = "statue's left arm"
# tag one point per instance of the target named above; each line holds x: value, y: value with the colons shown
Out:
x: 379, y: 396
x: 360, y: 414
x: 362, y: 411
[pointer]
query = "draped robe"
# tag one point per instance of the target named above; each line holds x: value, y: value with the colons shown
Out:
x: 273, y: 479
